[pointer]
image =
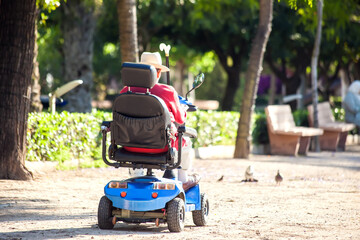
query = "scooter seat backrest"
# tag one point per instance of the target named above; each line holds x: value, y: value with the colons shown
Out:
x: 140, y: 119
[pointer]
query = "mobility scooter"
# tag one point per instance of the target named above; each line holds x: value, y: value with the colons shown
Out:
x: 143, y: 120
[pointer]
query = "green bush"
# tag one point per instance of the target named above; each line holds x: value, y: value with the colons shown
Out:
x: 339, y: 114
x: 63, y: 136
x: 259, y: 132
x: 66, y: 136
x: 213, y: 127
x: 301, y: 118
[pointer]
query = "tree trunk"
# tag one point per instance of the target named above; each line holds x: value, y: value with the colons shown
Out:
x: 302, y: 91
x: 36, y: 105
x: 356, y: 71
x: 242, y: 147
x: 345, y: 82
x: 78, y: 25
x: 128, y: 30
x: 17, y: 28
x: 314, y: 63
x: 231, y: 88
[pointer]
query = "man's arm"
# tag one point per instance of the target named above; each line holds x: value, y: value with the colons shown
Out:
x: 178, y: 112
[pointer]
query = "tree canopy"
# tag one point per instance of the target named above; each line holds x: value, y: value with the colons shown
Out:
x: 218, y: 34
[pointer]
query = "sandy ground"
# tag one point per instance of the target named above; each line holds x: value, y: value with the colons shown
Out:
x: 318, y: 199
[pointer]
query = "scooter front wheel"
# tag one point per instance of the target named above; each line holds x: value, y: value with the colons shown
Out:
x: 176, y: 215
x: 105, y: 213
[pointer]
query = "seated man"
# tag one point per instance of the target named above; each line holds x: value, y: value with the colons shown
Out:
x: 177, y: 114
x: 352, y: 104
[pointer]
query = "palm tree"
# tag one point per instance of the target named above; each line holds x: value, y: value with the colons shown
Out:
x: 128, y: 30
x: 242, y: 146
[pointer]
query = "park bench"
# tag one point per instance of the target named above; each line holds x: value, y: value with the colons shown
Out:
x: 285, y: 137
x: 335, y: 133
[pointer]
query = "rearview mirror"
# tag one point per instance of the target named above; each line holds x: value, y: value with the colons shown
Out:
x: 199, y: 79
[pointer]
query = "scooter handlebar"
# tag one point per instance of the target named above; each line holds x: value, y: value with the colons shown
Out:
x: 184, y: 101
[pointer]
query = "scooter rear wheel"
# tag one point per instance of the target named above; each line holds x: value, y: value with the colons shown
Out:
x: 200, y: 216
x: 105, y: 213
x: 176, y: 215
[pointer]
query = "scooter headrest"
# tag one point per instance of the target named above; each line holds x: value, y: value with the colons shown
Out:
x: 138, y: 75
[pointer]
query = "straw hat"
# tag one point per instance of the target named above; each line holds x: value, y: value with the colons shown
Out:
x: 153, y: 59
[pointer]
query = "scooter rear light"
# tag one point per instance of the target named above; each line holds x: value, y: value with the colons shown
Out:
x: 115, y: 184
x: 164, y: 186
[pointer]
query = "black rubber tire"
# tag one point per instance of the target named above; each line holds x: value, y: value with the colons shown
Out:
x: 200, y: 217
x: 105, y: 214
x: 176, y: 215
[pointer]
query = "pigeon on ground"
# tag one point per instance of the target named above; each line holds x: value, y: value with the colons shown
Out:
x: 221, y: 178
x: 249, y: 175
x: 278, y: 178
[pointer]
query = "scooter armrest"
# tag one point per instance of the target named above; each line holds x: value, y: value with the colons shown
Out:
x: 106, y: 125
x: 187, y: 131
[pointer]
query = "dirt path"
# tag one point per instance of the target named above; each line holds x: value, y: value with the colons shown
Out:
x: 319, y: 199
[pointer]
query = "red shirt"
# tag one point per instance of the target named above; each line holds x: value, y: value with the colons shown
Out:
x: 171, y: 99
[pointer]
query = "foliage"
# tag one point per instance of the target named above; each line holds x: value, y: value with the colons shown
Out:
x: 294, y: 3
x: 49, y: 5
x: 222, y: 27
x: 158, y: 21
x: 46, y: 7
x: 213, y: 86
x: 205, y: 63
x: 291, y: 42
x: 229, y: 24
x: 107, y: 60
x: 259, y: 132
x: 214, y: 128
x: 64, y: 136
x: 339, y: 114
x: 50, y: 57
x: 301, y: 118
x: 225, y: 27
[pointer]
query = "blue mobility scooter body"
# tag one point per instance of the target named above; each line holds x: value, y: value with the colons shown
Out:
x: 146, y: 198
x: 151, y: 193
